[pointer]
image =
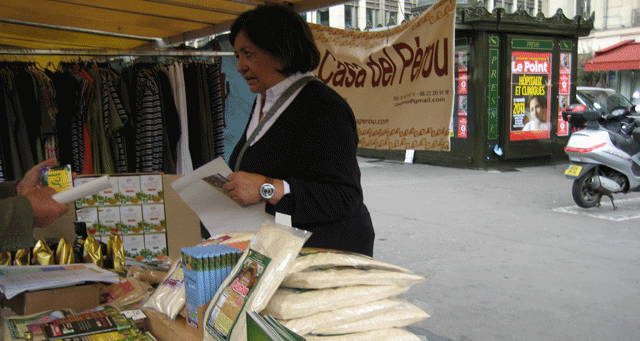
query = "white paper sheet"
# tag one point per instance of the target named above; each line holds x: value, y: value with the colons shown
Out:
x: 17, y: 279
x: 215, y: 209
x: 91, y: 187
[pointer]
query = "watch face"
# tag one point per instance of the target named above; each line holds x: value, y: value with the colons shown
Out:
x: 267, y: 191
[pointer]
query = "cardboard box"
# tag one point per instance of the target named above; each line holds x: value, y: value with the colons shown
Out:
x: 78, y: 298
x: 166, y: 329
x: 183, y: 225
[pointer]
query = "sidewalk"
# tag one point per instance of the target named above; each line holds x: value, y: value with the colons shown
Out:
x: 501, y: 263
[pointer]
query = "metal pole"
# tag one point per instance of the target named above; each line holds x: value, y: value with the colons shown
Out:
x: 133, y: 53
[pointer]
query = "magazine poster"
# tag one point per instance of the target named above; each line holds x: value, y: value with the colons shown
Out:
x: 530, y: 95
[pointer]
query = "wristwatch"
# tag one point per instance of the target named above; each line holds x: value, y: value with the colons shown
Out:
x: 267, y: 189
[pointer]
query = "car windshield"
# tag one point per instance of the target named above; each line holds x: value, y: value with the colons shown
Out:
x: 603, y: 99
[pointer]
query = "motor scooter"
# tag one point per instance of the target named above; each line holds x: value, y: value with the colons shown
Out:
x: 604, y: 154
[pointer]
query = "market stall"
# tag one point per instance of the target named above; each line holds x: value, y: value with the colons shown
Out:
x: 128, y: 261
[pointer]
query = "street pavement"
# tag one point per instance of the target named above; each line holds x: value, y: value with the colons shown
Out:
x: 506, y: 253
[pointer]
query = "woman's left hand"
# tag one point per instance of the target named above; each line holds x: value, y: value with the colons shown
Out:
x: 244, y: 188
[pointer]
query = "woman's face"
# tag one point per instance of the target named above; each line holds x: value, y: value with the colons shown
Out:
x: 537, y: 110
x: 258, y: 67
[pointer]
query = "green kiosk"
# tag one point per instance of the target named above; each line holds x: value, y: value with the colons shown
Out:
x: 514, y: 73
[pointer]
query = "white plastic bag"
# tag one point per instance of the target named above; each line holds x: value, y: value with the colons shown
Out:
x: 169, y: 296
x: 289, y: 303
x: 394, y: 334
x: 330, y: 319
x: 269, y: 258
x: 400, y: 315
x: 341, y: 277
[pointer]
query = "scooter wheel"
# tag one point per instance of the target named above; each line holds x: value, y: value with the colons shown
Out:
x: 583, y: 195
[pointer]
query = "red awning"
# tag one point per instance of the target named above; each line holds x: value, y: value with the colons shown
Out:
x: 624, y: 55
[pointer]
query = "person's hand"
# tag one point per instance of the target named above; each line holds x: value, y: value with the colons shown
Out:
x: 31, y: 179
x: 45, y: 209
x: 244, y: 188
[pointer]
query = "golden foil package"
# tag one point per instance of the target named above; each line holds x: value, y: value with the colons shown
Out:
x: 42, y: 254
x: 116, y: 251
x: 22, y: 257
x: 64, y: 253
x: 5, y: 258
x: 92, y: 251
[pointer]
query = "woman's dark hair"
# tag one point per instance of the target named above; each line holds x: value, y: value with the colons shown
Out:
x: 541, y: 100
x: 283, y: 33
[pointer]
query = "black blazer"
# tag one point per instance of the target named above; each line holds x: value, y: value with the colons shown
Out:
x: 312, y: 146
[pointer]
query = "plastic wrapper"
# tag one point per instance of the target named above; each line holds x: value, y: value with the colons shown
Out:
x: 342, y: 277
x: 292, y: 303
x: 126, y: 294
x: 42, y: 254
x: 92, y: 251
x: 64, y: 253
x: 318, y: 258
x: 151, y: 276
x: 400, y: 315
x: 116, y: 253
x: 328, y: 319
x: 5, y: 258
x: 22, y: 257
x: 169, y: 297
x: 275, y: 247
x: 395, y: 334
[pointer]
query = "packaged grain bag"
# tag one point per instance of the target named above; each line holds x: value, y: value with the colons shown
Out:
x: 400, y: 315
x: 169, y: 297
x: 295, y: 303
x: 253, y: 281
x: 317, y: 258
x: 329, y: 319
x: 341, y: 277
x: 394, y: 334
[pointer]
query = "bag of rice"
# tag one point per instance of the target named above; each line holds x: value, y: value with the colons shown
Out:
x: 317, y: 258
x: 400, y: 315
x: 331, y: 278
x: 394, y: 334
x: 169, y: 297
x: 252, y: 282
x: 288, y: 304
x: 328, y: 319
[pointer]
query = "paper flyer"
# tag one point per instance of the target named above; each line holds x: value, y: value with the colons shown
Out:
x: 210, y: 202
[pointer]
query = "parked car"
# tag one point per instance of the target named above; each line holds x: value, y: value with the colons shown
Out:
x: 602, y: 99
x: 599, y: 102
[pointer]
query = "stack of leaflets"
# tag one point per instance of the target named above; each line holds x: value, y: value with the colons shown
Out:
x: 103, y: 323
x: 204, y: 268
x: 266, y: 328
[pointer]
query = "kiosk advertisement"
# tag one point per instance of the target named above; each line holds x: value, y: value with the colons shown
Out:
x: 530, y: 100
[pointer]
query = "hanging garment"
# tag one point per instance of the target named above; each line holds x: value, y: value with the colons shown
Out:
x: 215, y: 80
x: 148, y: 123
x: 171, y: 131
x: 20, y: 150
x: 115, y: 117
x: 184, y: 165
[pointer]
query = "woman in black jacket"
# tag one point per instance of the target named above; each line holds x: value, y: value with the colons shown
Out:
x: 298, y: 153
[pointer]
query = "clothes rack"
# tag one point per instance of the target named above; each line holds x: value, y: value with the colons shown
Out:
x: 114, y: 53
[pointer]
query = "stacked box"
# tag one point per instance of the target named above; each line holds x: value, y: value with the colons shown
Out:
x: 133, y: 208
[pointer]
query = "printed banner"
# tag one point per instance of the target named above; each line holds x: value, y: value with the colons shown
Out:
x: 399, y: 82
x: 564, y: 92
x: 530, y: 95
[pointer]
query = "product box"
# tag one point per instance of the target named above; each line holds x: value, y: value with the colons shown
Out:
x: 89, y: 200
x: 78, y: 298
x: 151, y: 189
x: 129, y: 188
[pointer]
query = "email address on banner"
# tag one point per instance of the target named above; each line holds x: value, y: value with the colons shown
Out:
x: 420, y: 100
